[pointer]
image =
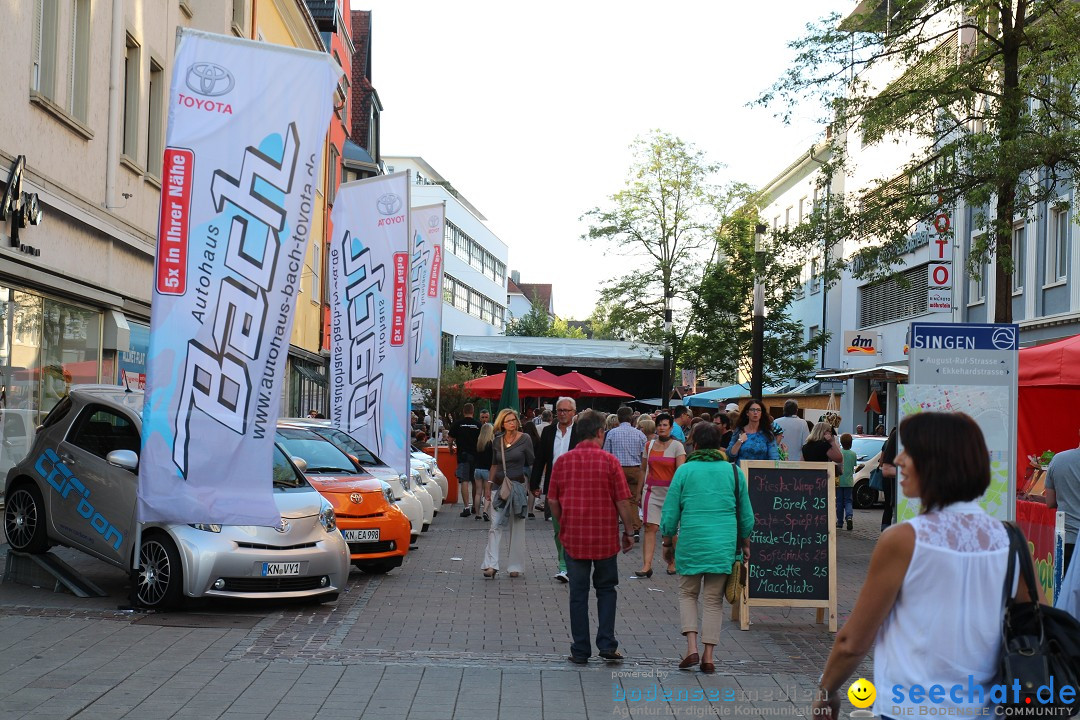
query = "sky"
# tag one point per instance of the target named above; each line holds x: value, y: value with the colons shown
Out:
x: 529, y: 109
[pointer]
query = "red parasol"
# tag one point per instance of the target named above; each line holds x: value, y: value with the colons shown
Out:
x: 590, y: 387
x: 491, y: 387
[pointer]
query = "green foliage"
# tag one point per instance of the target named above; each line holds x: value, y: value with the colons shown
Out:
x: 722, y: 309
x: 453, y: 395
x: 537, y: 323
x: 987, y: 103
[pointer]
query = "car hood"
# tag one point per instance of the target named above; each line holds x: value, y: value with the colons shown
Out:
x: 298, y: 503
x: 345, y: 483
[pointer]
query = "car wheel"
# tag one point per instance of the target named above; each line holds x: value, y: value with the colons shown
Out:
x: 864, y: 496
x: 160, y: 575
x: 24, y: 520
x: 425, y: 527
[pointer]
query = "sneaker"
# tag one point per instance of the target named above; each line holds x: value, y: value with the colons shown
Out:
x: 562, y: 577
x: 839, y: 526
x: 850, y: 524
x: 465, y: 513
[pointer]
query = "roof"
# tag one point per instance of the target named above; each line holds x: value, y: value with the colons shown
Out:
x: 356, y: 153
x: 512, y: 288
x: 323, y: 12
x: 537, y: 291
x: 546, y: 351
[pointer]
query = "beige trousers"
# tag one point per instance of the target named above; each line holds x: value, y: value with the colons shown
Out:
x: 713, y: 602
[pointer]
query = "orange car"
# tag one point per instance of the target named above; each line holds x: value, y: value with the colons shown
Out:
x: 376, y: 531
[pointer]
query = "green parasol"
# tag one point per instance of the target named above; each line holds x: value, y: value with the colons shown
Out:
x: 509, y: 397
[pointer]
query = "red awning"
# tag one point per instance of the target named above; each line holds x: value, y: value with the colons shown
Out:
x: 590, y: 387
x: 491, y: 386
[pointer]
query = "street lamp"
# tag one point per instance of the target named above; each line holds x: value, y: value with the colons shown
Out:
x: 758, y: 349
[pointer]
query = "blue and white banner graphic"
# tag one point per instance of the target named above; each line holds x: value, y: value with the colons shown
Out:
x: 247, y: 126
x: 425, y: 326
x: 369, y: 316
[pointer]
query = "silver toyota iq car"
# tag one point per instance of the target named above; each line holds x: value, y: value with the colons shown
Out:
x: 77, y: 487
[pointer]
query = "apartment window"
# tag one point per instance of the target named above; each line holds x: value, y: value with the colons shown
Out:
x: 129, y: 147
x: 332, y: 175
x: 787, y: 217
x: 812, y: 333
x: 815, y: 275
x: 239, y: 17
x: 1019, y: 254
x: 1057, y: 250
x: 155, y: 144
x: 802, y: 209
x: 316, y: 271
x: 56, y: 49
x: 894, y: 298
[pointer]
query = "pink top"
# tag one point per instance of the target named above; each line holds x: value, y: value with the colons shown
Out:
x: 662, y: 463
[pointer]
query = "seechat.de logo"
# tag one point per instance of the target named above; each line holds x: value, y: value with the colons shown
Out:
x: 208, y: 79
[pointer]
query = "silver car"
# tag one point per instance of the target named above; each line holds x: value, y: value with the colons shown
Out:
x: 77, y: 487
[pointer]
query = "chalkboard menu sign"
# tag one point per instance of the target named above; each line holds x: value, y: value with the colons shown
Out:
x: 792, y: 551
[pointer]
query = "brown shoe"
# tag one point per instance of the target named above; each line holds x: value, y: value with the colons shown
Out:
x: 689, y: 661
x: 708, y: 668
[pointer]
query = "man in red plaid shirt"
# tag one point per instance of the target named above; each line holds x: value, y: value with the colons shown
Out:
x: 587, y: 495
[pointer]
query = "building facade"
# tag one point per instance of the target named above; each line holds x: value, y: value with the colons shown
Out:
x: 474, y: 271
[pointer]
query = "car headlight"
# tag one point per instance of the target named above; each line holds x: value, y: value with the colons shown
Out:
x: 404, y: 479
x: 207, y: 527
x: 328, y: 519
x: 388, y: 493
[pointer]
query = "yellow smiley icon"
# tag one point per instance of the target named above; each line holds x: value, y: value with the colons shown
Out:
x: 862, y: 693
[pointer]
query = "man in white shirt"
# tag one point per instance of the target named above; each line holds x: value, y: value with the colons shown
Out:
x: 556, y: 439
x: 795, y: 430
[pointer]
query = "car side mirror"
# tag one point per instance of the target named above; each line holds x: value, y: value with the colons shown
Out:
x: 127, y: 459
x: 300, y: 463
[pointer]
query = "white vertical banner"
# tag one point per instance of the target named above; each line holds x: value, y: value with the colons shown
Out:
x: 247, y: 125
x: 425, y: 329
x: 370, y: 383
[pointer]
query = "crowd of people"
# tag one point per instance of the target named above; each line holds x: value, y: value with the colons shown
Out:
x: 606, y: 482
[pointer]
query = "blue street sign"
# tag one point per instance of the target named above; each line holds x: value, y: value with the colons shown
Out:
x: 965, y: 336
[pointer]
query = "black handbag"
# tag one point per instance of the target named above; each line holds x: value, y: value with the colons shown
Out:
x: 1040, y: 646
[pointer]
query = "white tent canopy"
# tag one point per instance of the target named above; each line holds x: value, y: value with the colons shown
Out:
x: 499, y: 349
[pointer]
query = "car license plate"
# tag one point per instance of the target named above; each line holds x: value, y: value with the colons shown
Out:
x: 278, y: 569
x: 361, y: 535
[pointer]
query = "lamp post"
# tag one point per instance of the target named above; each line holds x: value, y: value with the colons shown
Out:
x: 758, y: 349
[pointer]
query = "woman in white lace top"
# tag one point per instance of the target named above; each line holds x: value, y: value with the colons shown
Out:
x: 932, y: 603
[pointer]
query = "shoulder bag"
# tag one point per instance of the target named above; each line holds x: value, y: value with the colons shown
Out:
x: 1040, y: 648
x: 736, y: 579
x: 504, y: 488
x: 877, y: 479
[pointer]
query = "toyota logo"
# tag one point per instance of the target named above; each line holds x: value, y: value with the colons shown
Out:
x: 209, y: 79
x: 433, y: 222
x: 356, y: 498
x: 283, y: 527
x: 388, y: 204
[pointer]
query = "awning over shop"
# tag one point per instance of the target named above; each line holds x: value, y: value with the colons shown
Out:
x: 892, y: 372
x: 499, y: 349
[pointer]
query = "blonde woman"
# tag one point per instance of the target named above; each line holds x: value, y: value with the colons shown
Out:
x: 482, y: 476
x: 611, y: 422
x: 648, y: 426
x: 512, y: 452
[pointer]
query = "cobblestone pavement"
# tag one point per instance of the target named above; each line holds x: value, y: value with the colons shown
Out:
x: 433, y: 639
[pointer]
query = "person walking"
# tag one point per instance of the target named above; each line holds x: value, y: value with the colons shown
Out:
x: 1062, y: 492
x: 822, y: 445
x: 557, y: 438
x: 482, y: 477
x: 845, y: 484
x: 627, y: 444
x: 888, y: 472
x: 588, y: 495
x: 661, y: 459
x: 753, y: 438
x: 513, y: 450
x: 682, y: 418
x: 952, y: 550
x: 529, y: 428
x: 795, y: 431
x: 464, y: 432
x: 713, y: 530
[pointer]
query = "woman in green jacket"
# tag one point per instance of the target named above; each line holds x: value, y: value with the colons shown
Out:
x: 700, y: 508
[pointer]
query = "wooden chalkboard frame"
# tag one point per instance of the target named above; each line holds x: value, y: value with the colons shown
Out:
x: 742, y: 607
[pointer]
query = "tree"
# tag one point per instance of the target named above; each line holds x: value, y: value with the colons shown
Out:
x: 538, y: 323
x: 721, y: 335
x: 453, y: 395
x: 665, y: 216
x: 988, y: 98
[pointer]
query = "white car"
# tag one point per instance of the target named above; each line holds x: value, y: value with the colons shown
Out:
x: 434, y: 471
x: 402, y: 487
x: 868, y: 451
x: 427, y: 479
